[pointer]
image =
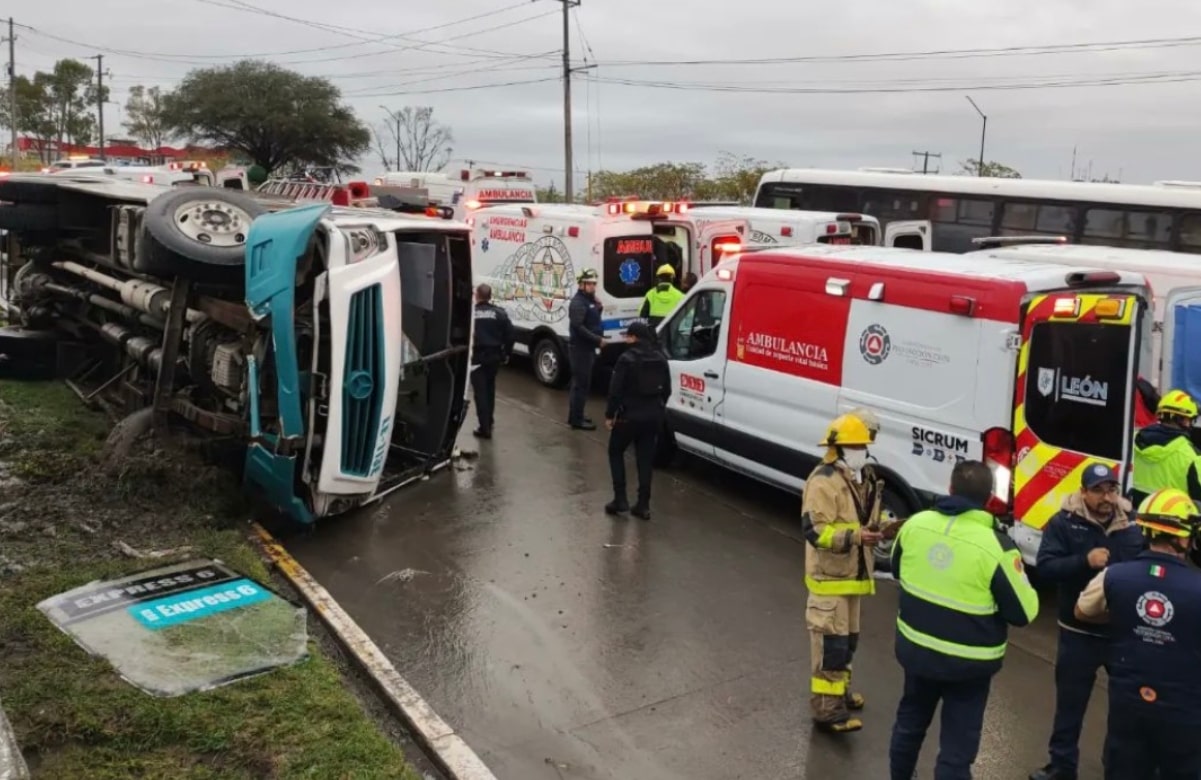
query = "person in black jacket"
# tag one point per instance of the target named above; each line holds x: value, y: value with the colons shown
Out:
x: 638, y: 394
x: 493, y: 343
x: 1092, y: 530
x: 585, y: 336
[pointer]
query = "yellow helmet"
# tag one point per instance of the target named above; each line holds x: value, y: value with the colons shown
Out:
x: 1168, y: 511
x: 847, y: 430
x: 665, y: 270
x: 869, y: 419
x: 1177, y: 402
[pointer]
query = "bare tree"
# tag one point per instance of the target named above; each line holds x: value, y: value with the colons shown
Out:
x: 422, y: 144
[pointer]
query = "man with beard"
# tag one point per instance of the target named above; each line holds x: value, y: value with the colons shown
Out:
x: 1093, y: 530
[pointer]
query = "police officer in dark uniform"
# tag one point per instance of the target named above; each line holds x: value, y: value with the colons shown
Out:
x: 585, y: 336
x: 1153, y: 607
x: 638, y: 394
x: 493, y: 345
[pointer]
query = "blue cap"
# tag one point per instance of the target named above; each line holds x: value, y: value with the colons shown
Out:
x: 1098, y: 474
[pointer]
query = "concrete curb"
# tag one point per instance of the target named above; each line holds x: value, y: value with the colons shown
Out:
x: 12, y: 763
x: 447, y: 749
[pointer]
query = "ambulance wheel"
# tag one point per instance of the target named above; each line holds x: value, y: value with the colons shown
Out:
x: 550, y: 364
x: 894, y: 507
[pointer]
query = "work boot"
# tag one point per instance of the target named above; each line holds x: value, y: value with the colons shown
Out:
x: 1052, y: 772
x: 840, y: 727
x: 584, y: 426
x: 855, y: 701
x: 641, y: 511
x: 482, y: 433
x: 617, y: 506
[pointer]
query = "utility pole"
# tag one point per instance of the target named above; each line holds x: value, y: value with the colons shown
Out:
x: 926, y: 159
x: 568, y: 164
x: 983, y: 130
x: 100, y: 98
x: 12, y: 89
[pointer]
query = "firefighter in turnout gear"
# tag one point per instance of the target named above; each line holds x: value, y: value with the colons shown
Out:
x: 663, y: 298
x: 1164, y: 455
x: 1153, y: 607
x: 840, y: 517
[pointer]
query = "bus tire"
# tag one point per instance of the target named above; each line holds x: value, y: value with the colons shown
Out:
x: 198, y: 233
x: 550, y: 362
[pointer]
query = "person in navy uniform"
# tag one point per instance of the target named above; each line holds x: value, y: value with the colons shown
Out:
x: 586, y: 335
x: 1152, y: 605
x: 1093, y: 529
x: 638, y: 394
x: 493, y: 343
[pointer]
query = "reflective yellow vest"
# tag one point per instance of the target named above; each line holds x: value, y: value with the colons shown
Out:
x: 661, y: 300
x: 1163, y: 465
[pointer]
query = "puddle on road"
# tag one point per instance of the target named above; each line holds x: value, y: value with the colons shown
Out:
x: 188, y: 627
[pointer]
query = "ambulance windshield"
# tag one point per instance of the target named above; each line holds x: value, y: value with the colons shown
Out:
x: 1077, y: 385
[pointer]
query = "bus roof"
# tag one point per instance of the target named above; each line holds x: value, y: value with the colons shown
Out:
x: 1045, y: 189
x: 1141, y: 260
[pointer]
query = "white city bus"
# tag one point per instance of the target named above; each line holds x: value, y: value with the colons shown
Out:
x: 945, y: 213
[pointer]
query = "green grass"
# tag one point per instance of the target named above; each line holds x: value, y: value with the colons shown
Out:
x: 76, y: 719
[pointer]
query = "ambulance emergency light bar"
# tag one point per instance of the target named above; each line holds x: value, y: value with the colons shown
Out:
x: 465, y: 174
x: 646, y: 208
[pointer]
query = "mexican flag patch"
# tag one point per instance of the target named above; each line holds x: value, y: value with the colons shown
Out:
x: 1158, y: 571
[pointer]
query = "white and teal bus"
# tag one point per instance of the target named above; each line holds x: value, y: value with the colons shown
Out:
x: 945, y: 213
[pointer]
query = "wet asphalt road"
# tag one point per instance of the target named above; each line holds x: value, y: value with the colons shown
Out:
x: 566, y: 644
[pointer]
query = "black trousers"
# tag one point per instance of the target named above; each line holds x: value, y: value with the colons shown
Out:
x: 1076, y: 664
x: 643, y: 434
x: 582, y: 360
x: 963, y: 706
x: 1140, y: 748
x: 483, y: 385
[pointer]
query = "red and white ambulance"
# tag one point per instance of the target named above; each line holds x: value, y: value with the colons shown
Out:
x: 468, y: 192
x: 1027, y: 367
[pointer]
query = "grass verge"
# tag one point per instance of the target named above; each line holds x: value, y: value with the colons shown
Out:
x: 61, y: 517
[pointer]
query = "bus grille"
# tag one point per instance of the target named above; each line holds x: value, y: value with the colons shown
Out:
x: 362, y: 381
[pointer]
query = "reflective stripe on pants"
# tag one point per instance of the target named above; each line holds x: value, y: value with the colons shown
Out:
x: 833, y: 623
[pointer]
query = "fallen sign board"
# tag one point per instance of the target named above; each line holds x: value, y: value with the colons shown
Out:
x: 182, y: 628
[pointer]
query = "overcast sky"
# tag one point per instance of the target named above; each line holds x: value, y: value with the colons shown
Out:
x: 1143, y: 132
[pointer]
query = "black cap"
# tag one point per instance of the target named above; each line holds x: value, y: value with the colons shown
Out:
x: 641, y: 331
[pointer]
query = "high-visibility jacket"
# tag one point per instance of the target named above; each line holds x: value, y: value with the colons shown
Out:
x: 1164, y: 457
x: 660, y: 302
x: 962, y: 585
x: 833, y: 511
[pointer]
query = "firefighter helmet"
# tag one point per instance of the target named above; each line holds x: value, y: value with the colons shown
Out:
x: 847, y: 431
x: 1177, y: 402
x: 587, y: 275
x: 1168, y: 511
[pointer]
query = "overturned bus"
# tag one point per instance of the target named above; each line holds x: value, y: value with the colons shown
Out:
x: 333, y: 341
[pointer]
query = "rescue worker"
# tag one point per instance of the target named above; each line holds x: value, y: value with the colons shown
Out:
x: 661, y: 300
x: 961, y: 586
x: 493, y: 343
x: 1092, y: 530
x: 638, y: 393
x: 585, y: 335
x: 1153, y: 608
x: 688, y: 282
x: 1164, y: 455
x: 838, y: 515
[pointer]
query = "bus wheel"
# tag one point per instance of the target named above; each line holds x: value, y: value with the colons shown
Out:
x: 550, y: 364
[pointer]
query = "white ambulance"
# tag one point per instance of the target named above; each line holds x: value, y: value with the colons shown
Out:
x: 1172, y: 332
x: 1027, y: 367
x: 470, y: 191
x: 779, y: 228
x: 532, y: 254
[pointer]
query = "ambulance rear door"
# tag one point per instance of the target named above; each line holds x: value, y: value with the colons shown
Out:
x: 1073, y: 404
x: 715, y: 241
x: 629, y: 258
x: 1181, y: 349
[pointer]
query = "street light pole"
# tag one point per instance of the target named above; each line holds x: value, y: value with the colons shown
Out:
x: 983, y: 130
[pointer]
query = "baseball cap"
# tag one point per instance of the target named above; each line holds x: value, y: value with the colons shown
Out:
x: 1096, y: 474
x: 640, y: 331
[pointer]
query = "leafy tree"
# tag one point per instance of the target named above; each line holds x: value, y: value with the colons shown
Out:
x: 276, y: 117
x: 146, y: 118
x: 71, y: 89
x: 549, y: 195
x: 971, y: 167
x: 421, y: 142
x: 737, y: 177
x: 35, y: 114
